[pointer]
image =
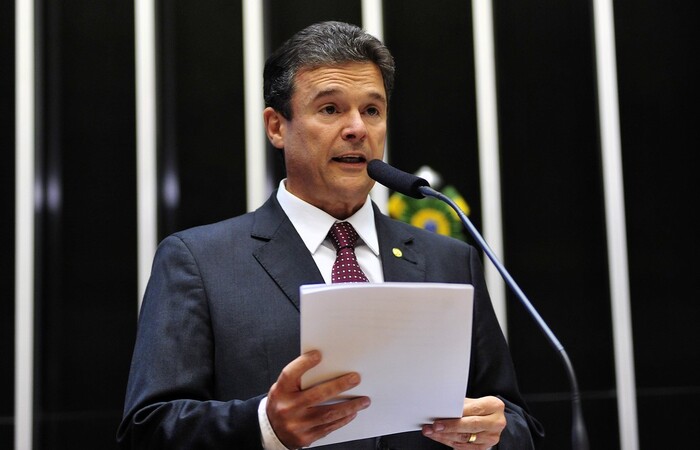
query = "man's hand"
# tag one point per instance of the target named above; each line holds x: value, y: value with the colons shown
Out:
x: 483, y: 420
x: 298, y: 416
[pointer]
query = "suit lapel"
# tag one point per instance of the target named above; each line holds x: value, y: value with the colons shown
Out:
x: 283, y: 256
x: 400, y: 260
x: 288, y: 262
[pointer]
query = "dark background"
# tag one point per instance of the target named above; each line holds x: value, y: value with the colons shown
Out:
x: 553, y: 210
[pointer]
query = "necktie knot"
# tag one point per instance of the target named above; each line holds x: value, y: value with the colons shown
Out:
x: 343, y: 235
x: 346, y: 268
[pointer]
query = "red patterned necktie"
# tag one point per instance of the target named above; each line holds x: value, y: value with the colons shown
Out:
x: 345, y: 269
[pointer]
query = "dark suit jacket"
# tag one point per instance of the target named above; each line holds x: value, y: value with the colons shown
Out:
x: 220, y: 319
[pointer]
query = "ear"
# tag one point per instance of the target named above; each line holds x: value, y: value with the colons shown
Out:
x: 275, y: 126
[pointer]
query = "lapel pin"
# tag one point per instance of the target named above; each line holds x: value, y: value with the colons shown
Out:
x: 398, y: 253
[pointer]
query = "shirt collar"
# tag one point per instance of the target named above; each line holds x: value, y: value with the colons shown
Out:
x: 313, y: 224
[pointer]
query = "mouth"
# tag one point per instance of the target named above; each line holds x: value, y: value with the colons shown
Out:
x: 350, y: 159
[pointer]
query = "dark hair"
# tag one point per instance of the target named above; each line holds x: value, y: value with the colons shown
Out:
x: 321, y: 44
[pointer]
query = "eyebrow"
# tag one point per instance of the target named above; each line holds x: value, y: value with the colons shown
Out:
x: 332, y: 91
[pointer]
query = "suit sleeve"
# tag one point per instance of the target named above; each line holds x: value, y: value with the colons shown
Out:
x: 492, y: 371
x: 170, y: 394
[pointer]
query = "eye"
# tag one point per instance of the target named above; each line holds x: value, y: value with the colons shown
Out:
x: 372, y: 111
x: 329, y: 109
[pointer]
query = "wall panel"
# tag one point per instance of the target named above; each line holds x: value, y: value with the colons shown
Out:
x: 659, y: 93
x: 554, y: 232
x: 432, y: 118
x: 7, y: 221
x: 201, y: 150
x: 86, y: 272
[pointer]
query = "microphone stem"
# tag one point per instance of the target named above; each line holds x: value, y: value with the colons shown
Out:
x: 579, y: 435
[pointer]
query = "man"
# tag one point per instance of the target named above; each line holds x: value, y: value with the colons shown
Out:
x: 216, y: 362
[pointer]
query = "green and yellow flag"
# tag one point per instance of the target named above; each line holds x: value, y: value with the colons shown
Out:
x: 430, y: 213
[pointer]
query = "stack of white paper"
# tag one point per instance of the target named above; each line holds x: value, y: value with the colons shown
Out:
x: 410, y: 342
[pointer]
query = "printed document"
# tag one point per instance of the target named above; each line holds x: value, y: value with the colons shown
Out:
x: 410, y: 343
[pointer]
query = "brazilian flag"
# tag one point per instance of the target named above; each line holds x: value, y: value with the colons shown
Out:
x: 430, y: 213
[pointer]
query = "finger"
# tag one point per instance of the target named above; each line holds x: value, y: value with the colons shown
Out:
x: 479, y: 415
x: 471, y: 441
x: 330, y: 389
x: 329, y: 418
x: 290, y: 377
x: 324, y: 430
x: 483, y: 418
x: 322, y: 413
x: 491, y: 425
x: 285, y: 404
x: 483, y: 406
x: 321, y: 420
x: 328, y: 414
x: 456, y: 426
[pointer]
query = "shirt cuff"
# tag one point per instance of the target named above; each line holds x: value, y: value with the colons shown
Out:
x: 267, y: 434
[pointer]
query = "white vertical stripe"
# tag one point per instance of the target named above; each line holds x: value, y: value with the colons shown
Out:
x: 24, y: 223
x: 373, y: 18
x: 258, y: 181
x: 489, y: 167
x: 615, y: 221
x: 146, y: 175
x: 373, y: 23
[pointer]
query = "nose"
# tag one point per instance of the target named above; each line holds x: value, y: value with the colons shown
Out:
x: 355, y: 128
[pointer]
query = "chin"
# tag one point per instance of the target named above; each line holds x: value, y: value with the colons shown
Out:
x: 356, y: 188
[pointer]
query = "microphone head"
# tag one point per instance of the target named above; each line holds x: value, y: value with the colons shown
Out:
x: 395, y: 179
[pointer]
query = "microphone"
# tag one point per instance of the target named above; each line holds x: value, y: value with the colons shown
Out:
x: 395, y: 179
x: 416, y: 187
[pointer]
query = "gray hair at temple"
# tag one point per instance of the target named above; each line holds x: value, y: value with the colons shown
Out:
x: 319, y: 45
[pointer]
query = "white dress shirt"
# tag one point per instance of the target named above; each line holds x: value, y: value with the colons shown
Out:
x: 313, y: 225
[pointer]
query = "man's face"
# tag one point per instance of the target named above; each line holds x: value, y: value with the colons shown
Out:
x: 338, y: 125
